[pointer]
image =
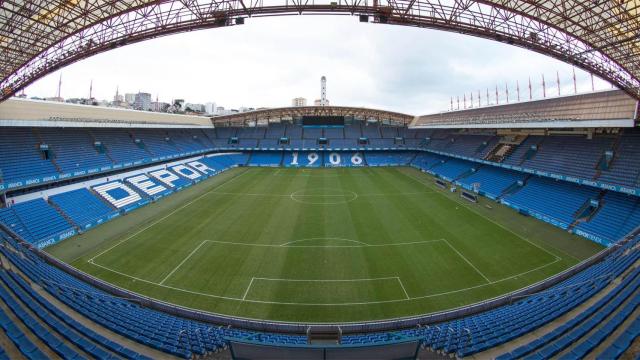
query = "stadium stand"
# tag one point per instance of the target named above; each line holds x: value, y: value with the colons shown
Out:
x: 576, y: 157
x: 426, y: 161
x: 38, y: 328
x: 622, y: 343
x: 157, y: 142
x: 492, y: 182
x: 334, y: 133
x: 302, y: 159
x: 9, y: 218
x: 605, y: 316
x: 551, y: 201
x: 82, y: 152
x: 381, y: 143
x: 391, y: 158
x: 371, y: 130
x: 269, y: 144
x: 617, y: 215
x: 170, y: 179
x: 82, y: 207
x: 121, y: 146
x: 626, y: 162
x: 147, y: 186
x: 20, y: 157
x: 343, y: 143
x: 312, y: 133
x: 265, y: 159
x: 452, y: 169
x: 36, y: 220
x: 73, y: 149
x: 275, y: 131
x: 119, y: 195
x: 226, y: 132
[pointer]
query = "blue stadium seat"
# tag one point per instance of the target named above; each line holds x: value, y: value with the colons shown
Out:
x: 82, y: 207
x: 265, y: 159
x: 35, y: 220
x: 553, y: 201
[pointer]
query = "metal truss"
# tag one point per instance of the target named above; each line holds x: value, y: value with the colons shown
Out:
x: 38, y: 37
x: 277, y: 114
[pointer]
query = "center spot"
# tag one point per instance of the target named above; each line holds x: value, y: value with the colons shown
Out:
x: 323, y: 196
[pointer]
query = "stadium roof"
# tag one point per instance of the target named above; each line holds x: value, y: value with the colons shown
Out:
x: 39, y: 37
x: 287, y: 113
x: 611, y: 108
x: 23, y: 112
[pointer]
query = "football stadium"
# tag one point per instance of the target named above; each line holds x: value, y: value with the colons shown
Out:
x: 321, y: 232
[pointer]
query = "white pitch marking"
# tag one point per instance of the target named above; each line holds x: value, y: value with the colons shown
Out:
x: 467, y: 260
x: 325, y: 195
x: 500, y: 225
x: 403, y: 289
x: 324, y: 238
x: 166, y: 216
x: 327, y: 280
x: 247, y: 291
x: 322, y: 304
x: 293, y: 196
x: 182, y: 262
x: 325, y: 246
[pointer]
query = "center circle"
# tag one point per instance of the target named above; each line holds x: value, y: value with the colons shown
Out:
x: 323, y: 196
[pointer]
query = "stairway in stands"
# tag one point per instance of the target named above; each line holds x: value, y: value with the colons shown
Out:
x: 504, y: 148
x: 52, y: 158
x: 106, y: 150
x: 582, y: 216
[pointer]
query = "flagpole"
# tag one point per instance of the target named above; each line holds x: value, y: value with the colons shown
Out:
x: 506, y: 90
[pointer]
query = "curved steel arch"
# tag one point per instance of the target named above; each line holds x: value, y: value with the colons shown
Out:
x: 599, y: 36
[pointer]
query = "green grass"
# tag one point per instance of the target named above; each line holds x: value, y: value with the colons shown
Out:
x: 322, y: 245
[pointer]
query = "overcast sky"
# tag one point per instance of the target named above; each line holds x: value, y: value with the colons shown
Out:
x: 269, y: 61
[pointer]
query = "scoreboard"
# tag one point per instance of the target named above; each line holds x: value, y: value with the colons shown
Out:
x: 322, y: 120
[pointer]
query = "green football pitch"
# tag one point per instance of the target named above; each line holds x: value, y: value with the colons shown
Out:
x: 322, y: 245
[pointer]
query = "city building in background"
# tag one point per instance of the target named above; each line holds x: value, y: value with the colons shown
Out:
x: 160, y: 106
x: 142, y: 101
x: 130, y: 98
x: 210, y: 108
x: 298, y: 102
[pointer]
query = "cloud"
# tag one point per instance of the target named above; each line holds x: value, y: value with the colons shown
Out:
x: 269, y: 61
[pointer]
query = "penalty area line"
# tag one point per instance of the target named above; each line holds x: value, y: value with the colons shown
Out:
x: 521, y: 237
x: 183, y: 261
x: 319, y: 304
x: 248, y: 287
x: 403, y: 289
x: 467, y: 260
